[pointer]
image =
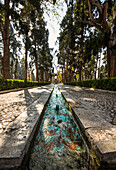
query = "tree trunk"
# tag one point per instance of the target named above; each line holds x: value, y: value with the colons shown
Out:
x: 12, y: 69
x: 113, y: 63
x: 51, y: 77
x: 71, y: 73
x: 36, y: 57
x: 16, y: 68
x: 95, y: 75
x: 67, y: 78
x: 6, y: 41
x: 80, y: 70
x: 113, y: 49
x: 41, y: 75
x: 108, y: 60
x: 62, y: 75
x: 36, y: 66
x: 88, y: 76
x: 46, y: 76
x: 26, y: 52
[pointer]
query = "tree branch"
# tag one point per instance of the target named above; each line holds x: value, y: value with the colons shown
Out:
x: 91, y: 24
x: 105, y: 11
x: 98, y: 5
x: 94, y: 20
x: 90, y: 13
x: 99, y: 27
x: 114, y: 15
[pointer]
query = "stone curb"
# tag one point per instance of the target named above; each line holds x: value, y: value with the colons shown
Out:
x: 99, y: 90
x: 15, y: 90
x: 93, y: 89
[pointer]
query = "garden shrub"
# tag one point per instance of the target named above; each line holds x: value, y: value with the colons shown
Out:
x: 6, y: 84
x: 105, y: 84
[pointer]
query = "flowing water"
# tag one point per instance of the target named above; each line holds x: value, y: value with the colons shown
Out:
x: 59, y: 144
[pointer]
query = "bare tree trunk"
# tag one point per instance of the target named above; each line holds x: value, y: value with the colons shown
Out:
x: 80, y: 71
x: 16, y: 68
x: 41, y: 74
x: 36, y: 66
x: 80, y: 68
x: 82, y: 37
x: 113, y: 63
x: 26, y: 52
x: 108, y: 60
x: 6, y: 41
x: 71, y: 72
x: 26, y: 46
x: 12, y: 69
x: 95, y: 74
x: 62, y: 74
x: 88, y: 75
x: 51, y: 77
x: 113, y: 46
x: 67, y: 78
x: 36, y: 57
x: 46, y: 76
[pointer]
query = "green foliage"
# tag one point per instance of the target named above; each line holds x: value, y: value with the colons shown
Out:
x: 105, y: 84
x: 6, y: 84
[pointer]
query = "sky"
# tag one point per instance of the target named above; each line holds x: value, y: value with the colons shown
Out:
x: 53, y: 25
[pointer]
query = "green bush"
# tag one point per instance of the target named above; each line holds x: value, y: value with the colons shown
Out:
x: 6, y: 84
x: 105, y: 84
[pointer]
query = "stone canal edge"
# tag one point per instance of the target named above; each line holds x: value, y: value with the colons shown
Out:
x: 15, y: 142
x: 99, y: 132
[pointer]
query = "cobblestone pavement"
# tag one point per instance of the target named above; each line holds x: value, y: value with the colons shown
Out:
x: 98, y: 100
x: 20, y: 113
x: 14, y: 103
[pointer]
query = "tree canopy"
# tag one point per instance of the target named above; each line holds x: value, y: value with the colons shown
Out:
x: 94, y: 29
x: 88, y: 27
x: 24, y: 20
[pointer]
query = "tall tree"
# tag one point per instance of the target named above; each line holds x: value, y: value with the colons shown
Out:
x: 102, y: 15
x: 67, y: 43
x: 37, y: 35
x: 15, y: 52
x: 5, y: 26
x: 25, y: 23
x: 5, y: 29
x: 80, y: 11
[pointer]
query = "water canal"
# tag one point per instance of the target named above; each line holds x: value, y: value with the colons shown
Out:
x: 59, y: 144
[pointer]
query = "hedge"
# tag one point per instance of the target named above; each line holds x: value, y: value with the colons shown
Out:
x: 105, y: 84
x: 6, y: 84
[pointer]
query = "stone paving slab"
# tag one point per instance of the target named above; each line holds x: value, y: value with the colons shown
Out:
x: 16, y: 136
x: 95, y: 111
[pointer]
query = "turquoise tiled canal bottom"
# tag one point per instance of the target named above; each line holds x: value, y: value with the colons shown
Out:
x: 58, y: 145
